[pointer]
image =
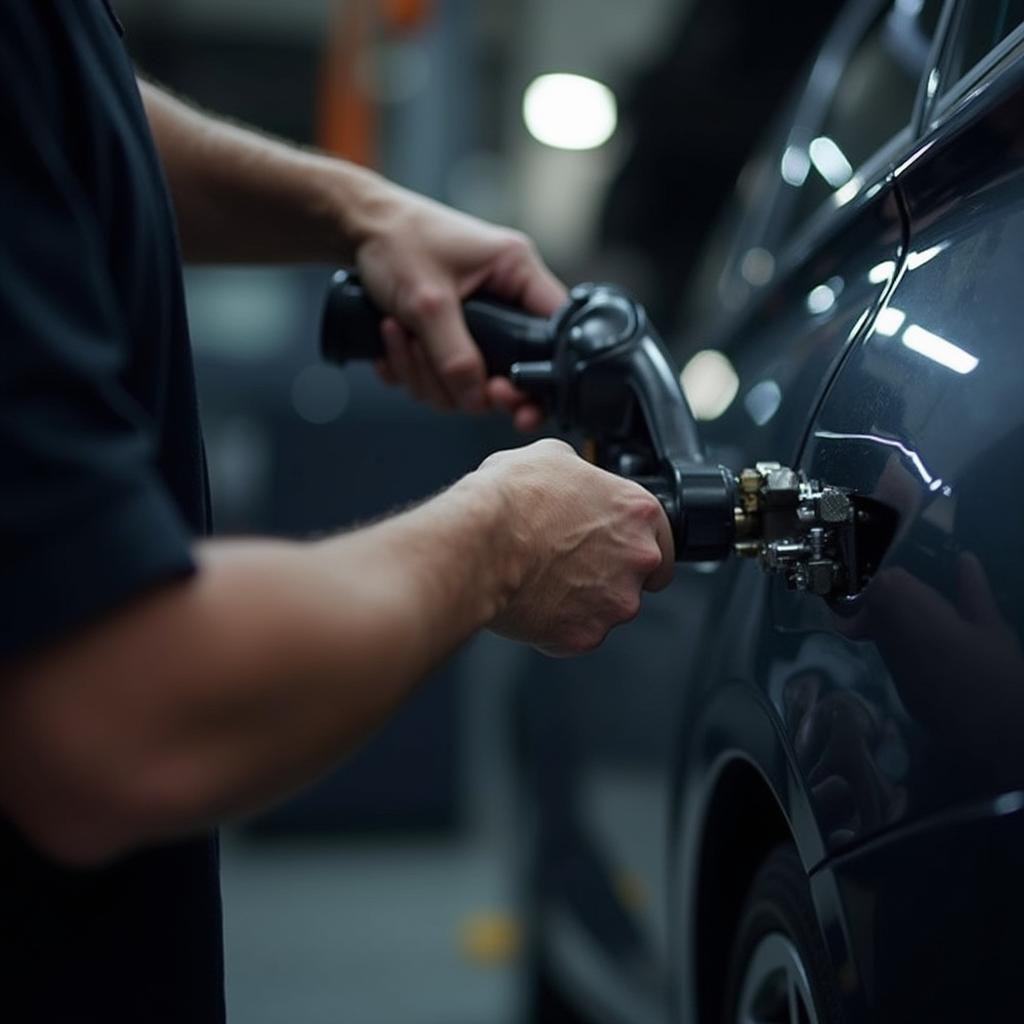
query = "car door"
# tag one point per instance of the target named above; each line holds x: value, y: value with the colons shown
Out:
x: 832, y: 221
x: 600, y: 737
x: 836, y: 249
x: 841, y: 232
x: 926, y: 418
x: 843, y: 240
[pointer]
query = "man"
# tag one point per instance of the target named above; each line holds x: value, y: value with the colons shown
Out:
x: 152, y: 684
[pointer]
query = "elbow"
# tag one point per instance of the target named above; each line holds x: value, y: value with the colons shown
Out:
x: 87, y: 825
x: 72, y: 844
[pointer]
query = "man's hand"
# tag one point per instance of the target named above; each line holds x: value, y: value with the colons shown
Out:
x: 419, y: 260
x: 241, y: 197
x: 587, y: 543
x: 212, y: 695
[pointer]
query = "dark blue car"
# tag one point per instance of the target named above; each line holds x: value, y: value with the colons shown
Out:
x: 766, y: 806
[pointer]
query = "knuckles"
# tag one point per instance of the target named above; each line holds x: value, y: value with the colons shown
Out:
x: 648, y: 560
x: 464, y: 368
x: 627, y: 606
x: 425, y: 302
x: 519, y: 246
x: 552, y: 446
x: 645, y: 506
x: 583, y: 640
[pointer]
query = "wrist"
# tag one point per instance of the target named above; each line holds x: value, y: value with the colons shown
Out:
x: 500, y: 553
x: 354, y: 201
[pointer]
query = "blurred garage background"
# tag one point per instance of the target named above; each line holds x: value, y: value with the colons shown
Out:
x: 390, y: 891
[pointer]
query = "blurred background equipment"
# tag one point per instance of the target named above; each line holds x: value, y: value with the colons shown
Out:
x: 394, y: 890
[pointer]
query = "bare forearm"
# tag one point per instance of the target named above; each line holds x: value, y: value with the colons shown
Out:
x: 219, y: 694
x: 214, y: 695
x: 242, y: 197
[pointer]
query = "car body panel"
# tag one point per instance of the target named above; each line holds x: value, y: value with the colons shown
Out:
x: 910, y: 904
x: 878, y: 733
x: 926, y: 417
x: 899, y: 714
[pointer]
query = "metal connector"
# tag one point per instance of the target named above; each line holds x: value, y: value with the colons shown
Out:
x: 797, y: 529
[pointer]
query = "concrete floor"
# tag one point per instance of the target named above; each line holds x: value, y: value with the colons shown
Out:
x: 376, y: 931
x: 373, y: 933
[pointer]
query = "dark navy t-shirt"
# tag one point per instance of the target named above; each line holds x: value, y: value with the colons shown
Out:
x: 102, y: 491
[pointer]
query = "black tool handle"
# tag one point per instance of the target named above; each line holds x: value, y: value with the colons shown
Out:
x: 504, y: 335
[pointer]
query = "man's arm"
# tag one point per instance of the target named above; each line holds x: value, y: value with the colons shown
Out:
x: 212, y: 696
x: 247, y: 198
x: 243, y: 197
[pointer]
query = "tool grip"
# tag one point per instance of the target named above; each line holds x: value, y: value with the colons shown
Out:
x: 351, y: 328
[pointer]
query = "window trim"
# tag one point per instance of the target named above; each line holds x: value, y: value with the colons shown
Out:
x: 808, y: 107
x: 967, y: 85
x: 792, y: 247
x: 926, y: 99
x: 805, y: 110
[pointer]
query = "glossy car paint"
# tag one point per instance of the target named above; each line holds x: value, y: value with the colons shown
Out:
x: 890, y: 728
x: 881, y: 735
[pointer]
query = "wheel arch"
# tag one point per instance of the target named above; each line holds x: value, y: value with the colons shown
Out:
x: 738, y: 795
x: 743, y: 823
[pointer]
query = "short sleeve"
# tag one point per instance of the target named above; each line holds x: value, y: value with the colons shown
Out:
x: 85, y: 522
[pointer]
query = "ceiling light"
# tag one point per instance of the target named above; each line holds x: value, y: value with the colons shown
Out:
x: 569, y: 111
x: 830, y: 161
x: 710, y: 384
x: 938, y: 349
x: 889, y: 321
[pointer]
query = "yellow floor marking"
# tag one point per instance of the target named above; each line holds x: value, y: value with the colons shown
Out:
x: 490, y: 938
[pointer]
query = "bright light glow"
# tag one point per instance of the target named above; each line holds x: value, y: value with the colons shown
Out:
x: 758, y: 266
x: 820, y: 299
x: 881, y: 272
x: 889, y: 442
x: 796, y: 165
x: 919, y: 259
x: 913, y: 158
x: 889, y: 321
x: 849, y: 191
x: 710, y: 384
x: 830, y: 161
x: 763, y: 401
x: 1008, y: 803
x: 938, y: 349
x: 569, y: 111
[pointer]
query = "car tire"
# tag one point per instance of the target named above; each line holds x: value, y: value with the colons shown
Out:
x: 779, y: 957
x: 545, y: 1003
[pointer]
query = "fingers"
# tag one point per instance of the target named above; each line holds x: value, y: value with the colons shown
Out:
x: 543, y: 293
x: 431, y: 388
x: 385, y: 372
x: 436, y: 316
x: 528, y: 419
x: 503, y: 394
x: 662, y: 576
x: 409, y: 365
x: 520, y: 276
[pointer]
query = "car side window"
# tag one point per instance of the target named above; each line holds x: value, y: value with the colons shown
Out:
x: 981, y: 25
x: 872, y: 102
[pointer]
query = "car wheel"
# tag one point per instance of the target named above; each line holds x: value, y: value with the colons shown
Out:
x: 780, y: 971
x: 545, y: 1004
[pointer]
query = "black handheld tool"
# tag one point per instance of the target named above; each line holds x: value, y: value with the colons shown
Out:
x: 598, y: 366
